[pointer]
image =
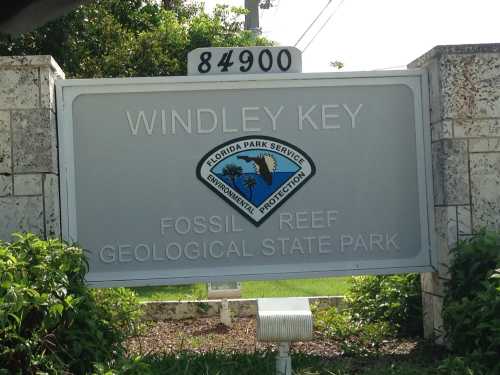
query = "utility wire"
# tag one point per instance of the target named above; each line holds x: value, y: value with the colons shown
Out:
x: 392, y: 67
x: 277, y: 7
x: 323, y: 26
x: 313, y: 22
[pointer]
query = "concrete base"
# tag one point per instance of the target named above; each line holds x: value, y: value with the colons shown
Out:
x: 243, y: 308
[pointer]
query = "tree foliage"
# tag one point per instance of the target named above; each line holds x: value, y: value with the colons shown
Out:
x: 124, y: 38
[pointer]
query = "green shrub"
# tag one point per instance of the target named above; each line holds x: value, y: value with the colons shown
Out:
x: 124, y: 366
x: 377, y: 308
x: 461, y: 366
x: 471, y: 310
x: 50, y: 321
x: 354, y: 336
x: 394, y: 299
x: 333, y: 322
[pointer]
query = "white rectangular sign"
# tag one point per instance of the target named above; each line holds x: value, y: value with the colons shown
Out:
x: 184, y: 179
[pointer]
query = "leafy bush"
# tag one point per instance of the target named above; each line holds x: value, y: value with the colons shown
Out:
x: 124, y: 366
x: 394, y: 299
x: 332, y: 322
x: 50, y: 321
x: 354, y: 336
x: 460, y: 366
x: 471, y: 310
x: 377, y: 308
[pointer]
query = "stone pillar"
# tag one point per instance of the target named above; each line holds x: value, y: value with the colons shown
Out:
x: 29, y: 182
x: 464, y: 83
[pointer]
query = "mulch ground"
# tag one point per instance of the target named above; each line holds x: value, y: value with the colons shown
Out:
x: 208, y: 335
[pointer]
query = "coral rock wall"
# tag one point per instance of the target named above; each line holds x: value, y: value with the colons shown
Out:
x: 464, y: 84
x: 29, y: 185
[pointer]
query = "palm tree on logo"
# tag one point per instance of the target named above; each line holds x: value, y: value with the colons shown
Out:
x: 233, y: 171
x: 250, y: 184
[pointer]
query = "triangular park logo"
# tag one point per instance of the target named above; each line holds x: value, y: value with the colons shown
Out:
x: 255, y: 174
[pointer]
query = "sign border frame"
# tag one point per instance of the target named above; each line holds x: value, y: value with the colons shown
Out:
x: 68, y: 90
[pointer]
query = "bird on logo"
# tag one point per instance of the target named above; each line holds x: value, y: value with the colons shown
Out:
x: 264, y: 165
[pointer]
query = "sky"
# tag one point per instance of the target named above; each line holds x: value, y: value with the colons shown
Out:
x: 376, y: 34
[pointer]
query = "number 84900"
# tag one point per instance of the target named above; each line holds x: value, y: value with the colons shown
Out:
x: 246, y: 60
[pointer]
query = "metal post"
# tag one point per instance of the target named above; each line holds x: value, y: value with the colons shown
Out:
x: 283, y: 360
x: 225, y: 313
x: 252, y: 18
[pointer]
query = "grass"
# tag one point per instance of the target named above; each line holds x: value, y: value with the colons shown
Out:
x: 263, y: 363
x: 172, y: 292
x: 328, y: 286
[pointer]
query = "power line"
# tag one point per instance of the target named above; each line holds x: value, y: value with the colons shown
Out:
x: 323, y: 26
x: 277, y: 7
x: 313, y: 22
x: 392, y: 67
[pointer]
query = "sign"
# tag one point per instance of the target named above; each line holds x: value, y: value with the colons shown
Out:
x: 244, y: 60
x: 184, y: 179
